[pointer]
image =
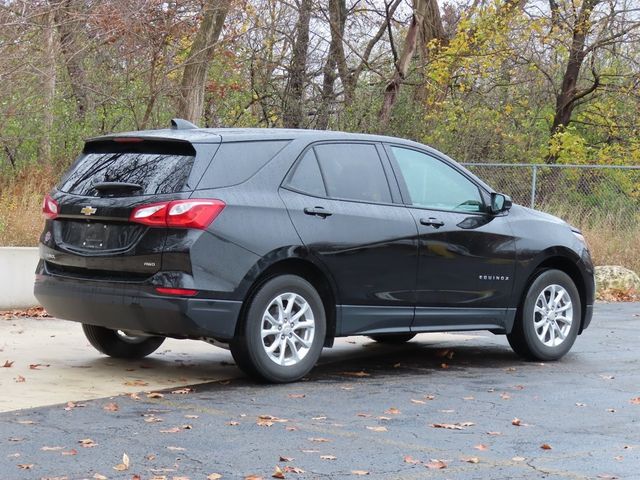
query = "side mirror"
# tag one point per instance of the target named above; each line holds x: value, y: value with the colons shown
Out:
x: 500, y: 203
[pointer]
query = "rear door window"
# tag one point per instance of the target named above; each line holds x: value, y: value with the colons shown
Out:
x: 236, y: 162
x: 353, y: 171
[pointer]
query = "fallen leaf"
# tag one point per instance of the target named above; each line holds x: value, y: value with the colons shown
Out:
x: 607, y: 476
x: 20, y: 379
x: 397, y: 365
x: 277, y: 473
x: 470, y: 459
x: 384, y: 418
x: 363, y: 415
x: 176, y: 449
x: 26, y: 422
x: 36, y: 366
x: 73, y: 451
x: 253, y: 477
x: 214, y: 476
x: 518, y: 459
x: 546, y: 446
x: 444, y: 365
x: 359, y: 472
x: 318, y: 440
x: 409, y: 459
x: 470, y: 397
x: 505, y: 396
x: 392, y: 411
x: 182, y: 391
x: 453, y: 426
x: 232, y: 423
x: 494, y: 433
x: 318, y: 418
x: 121, y: 467
x: 155, y: 395
x: 611, y: 410
x: 429, y: 397
x: 635, y: 401
x: 8, y: 363
x: 377, y: 429
x: 579, y: 404
x: 290, y: 428
x: 361, y: 373
x: 436, y: 464
x: 285, y: 459
x: 418, y: 402
x: 518, y: 423
x: 98, y: 476
x: 191, y: 416
x: 25, y: 466
x: 111, y: 407
x: 136, y: 383
x: 328, y: 457
x: 291, y: 469
x: 51, y: 449
x: 481, y: 447
x: 619, y: 458
x: 134, y: 396
x: 296, y: 395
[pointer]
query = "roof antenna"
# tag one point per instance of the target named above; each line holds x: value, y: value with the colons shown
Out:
x: 181, y: 124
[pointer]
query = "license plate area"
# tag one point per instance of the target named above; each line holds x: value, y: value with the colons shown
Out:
x: 95, y: 236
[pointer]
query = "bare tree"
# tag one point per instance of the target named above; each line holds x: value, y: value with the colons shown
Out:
x: 49, y: 75
x: 425, y: 26
x: 194, y: 77
x: 293, y: 111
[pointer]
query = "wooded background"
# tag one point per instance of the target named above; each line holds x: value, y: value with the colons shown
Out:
x: 483, y: 80
x: 529, y: 81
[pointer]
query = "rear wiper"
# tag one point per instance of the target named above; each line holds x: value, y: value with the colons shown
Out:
x: 116, y: 186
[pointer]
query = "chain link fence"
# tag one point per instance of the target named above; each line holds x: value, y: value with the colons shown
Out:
x: 604, y: 201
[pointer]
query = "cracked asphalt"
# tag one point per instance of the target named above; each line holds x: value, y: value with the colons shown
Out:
x: 374, y: 412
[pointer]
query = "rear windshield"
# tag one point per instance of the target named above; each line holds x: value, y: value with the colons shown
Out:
x: 156, y: 173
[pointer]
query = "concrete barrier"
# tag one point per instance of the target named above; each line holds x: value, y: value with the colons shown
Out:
x: 17, y: 267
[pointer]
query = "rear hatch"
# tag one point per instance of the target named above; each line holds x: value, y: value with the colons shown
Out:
x: 92, y: 235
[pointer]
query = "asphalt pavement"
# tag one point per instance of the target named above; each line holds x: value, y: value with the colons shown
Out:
x: 449, y: 407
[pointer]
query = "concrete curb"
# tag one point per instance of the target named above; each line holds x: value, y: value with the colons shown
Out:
x: 17, y: 267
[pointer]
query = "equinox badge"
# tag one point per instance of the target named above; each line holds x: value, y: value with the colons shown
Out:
x: 88, y: 210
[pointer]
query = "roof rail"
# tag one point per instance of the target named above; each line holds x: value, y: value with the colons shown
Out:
x: 181, y: 124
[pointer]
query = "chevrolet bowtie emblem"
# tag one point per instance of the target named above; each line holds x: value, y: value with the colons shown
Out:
x: 88, y: 210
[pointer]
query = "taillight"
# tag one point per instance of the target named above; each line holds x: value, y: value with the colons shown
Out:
x: 193, y: 213
x: 49, y: 208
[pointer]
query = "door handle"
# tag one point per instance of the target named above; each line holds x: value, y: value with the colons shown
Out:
x: 431, y: 221
x: 318, y: 212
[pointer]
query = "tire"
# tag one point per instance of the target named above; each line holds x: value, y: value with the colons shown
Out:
x: 393, y: 339
x: 529, y: 339
x: 117, y: 345
x: 250, y: 349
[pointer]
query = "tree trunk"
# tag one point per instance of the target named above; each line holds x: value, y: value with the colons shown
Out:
x: 430, y: 29
x: 68, y: 23
x: 194, y: 77
x: 403, y: 63
x: 48, y: 84
x: 293, y: 112
x: 337, y: 17
x: 566, y: 98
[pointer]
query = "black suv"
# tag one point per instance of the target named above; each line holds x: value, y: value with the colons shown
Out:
x: 274, y: 242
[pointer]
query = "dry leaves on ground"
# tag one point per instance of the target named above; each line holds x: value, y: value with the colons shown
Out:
x: 453, y: 426
x: 111, y: 407
x: 436, y: 464
x: 546, y: 446
x: 121, y: 467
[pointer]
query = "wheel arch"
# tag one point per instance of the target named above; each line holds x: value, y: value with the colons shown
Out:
x: 565, y: 264
x: 310, y: 272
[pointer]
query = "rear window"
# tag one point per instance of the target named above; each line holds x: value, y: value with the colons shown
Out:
x: 236, y: 162
x: 155, y: 173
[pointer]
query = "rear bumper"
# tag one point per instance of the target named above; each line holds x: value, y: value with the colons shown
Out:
x: 136, y: 307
